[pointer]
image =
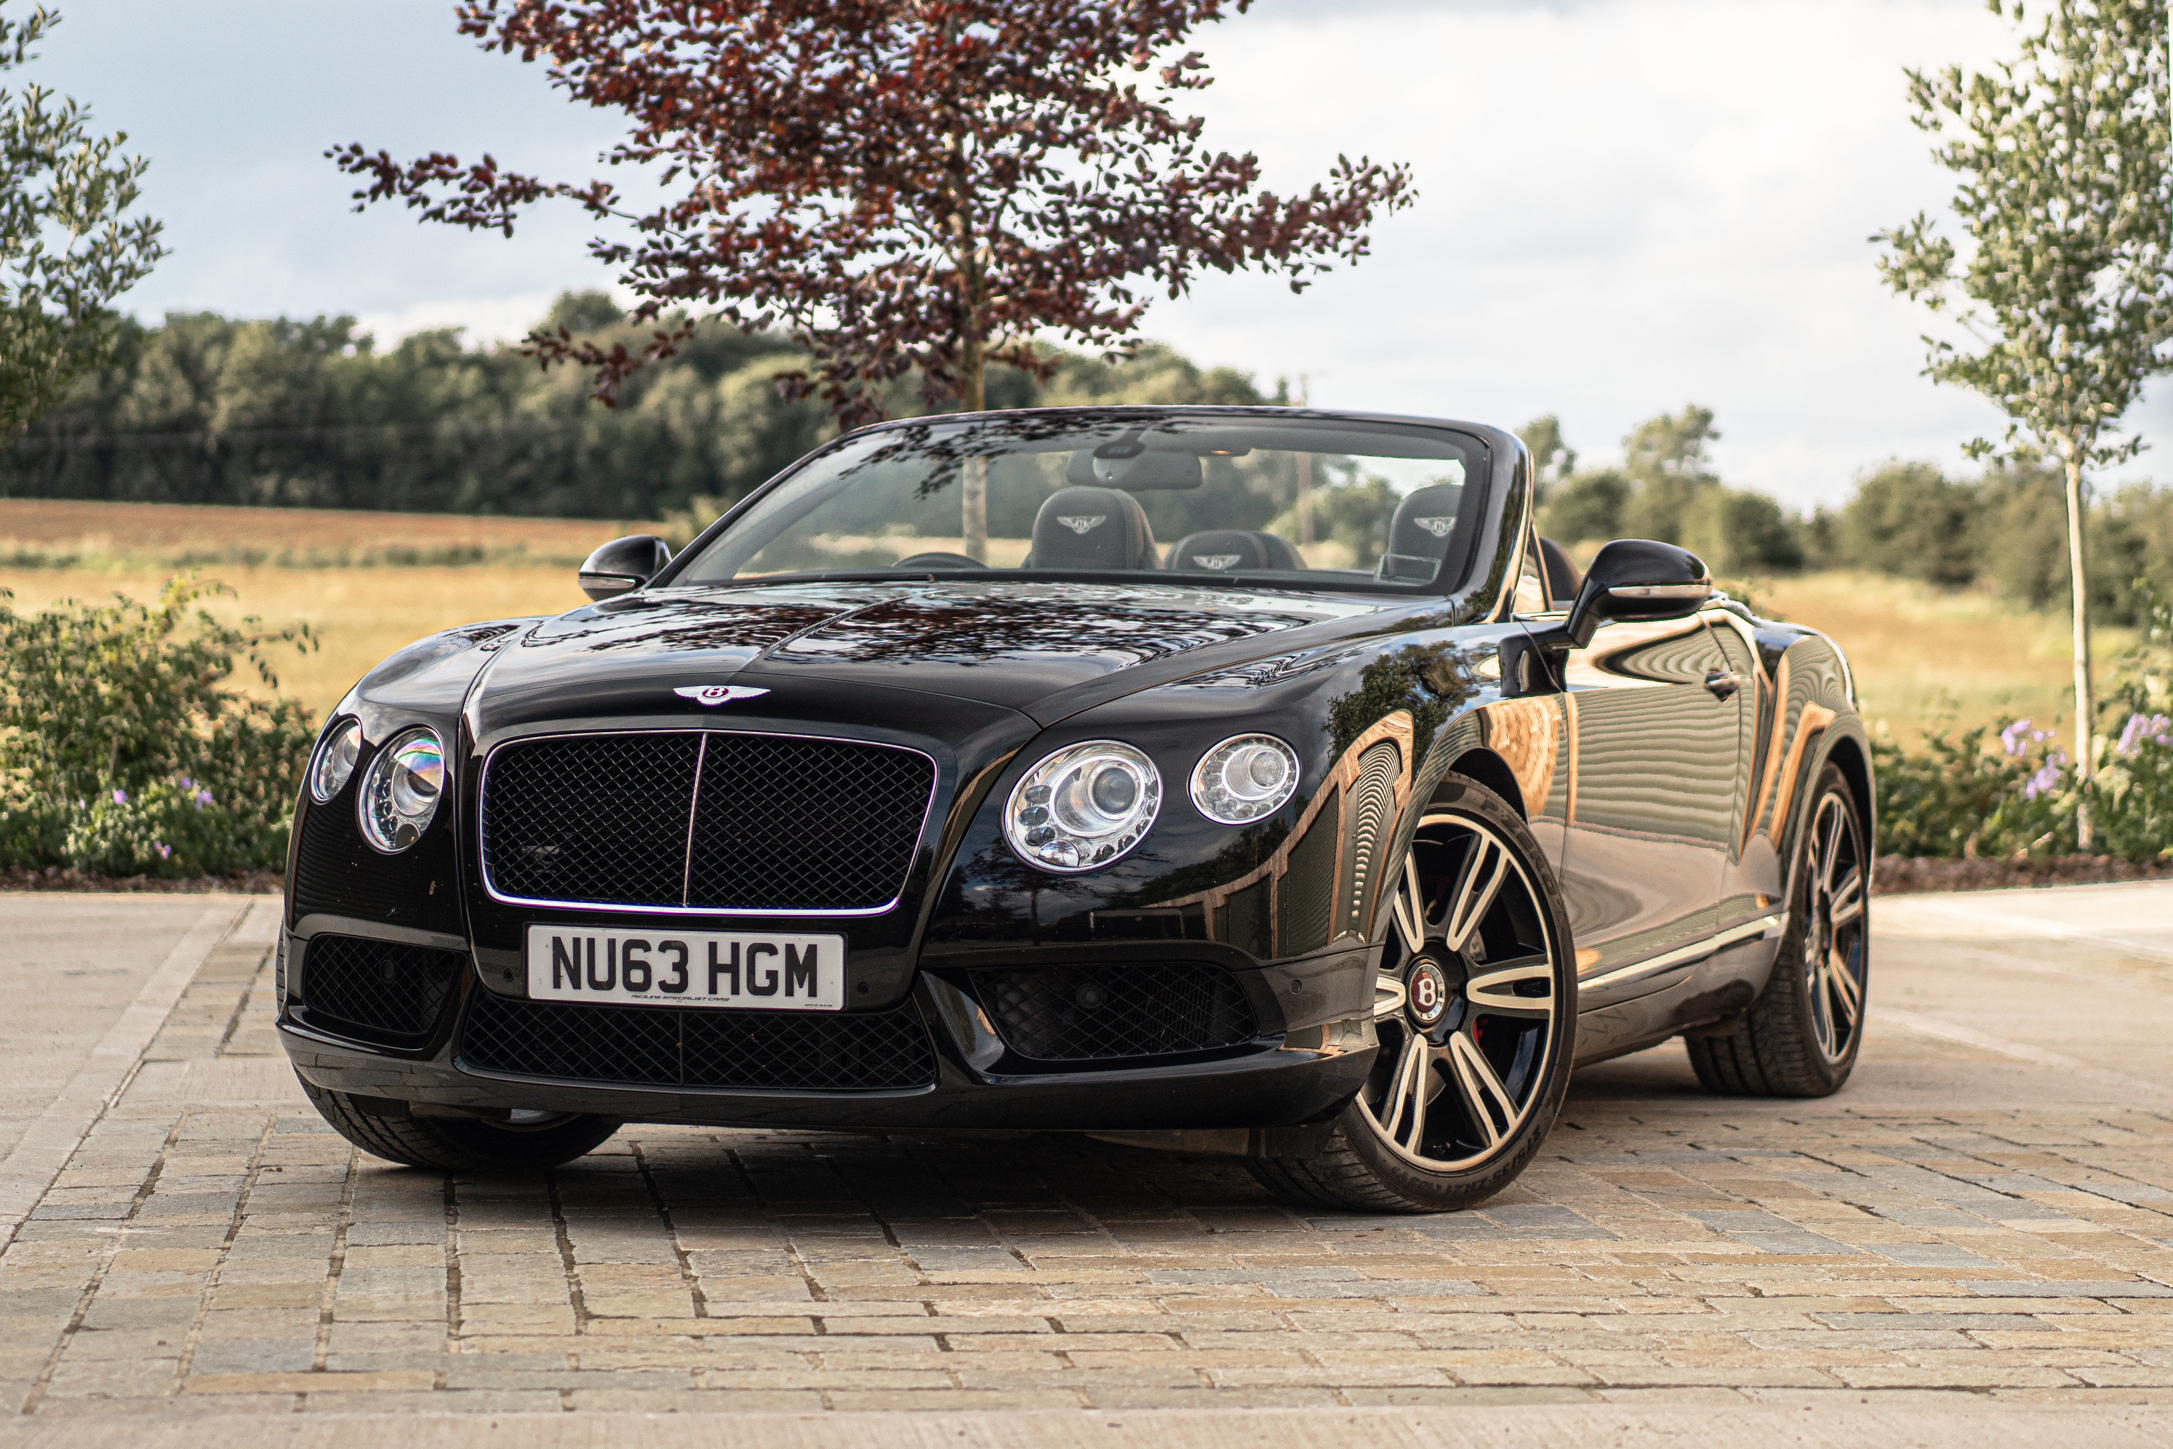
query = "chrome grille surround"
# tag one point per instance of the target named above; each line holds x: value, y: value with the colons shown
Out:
x: 910, y: 786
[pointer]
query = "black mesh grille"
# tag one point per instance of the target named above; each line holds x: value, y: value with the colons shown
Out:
x: 690, y: 1047
x: 779, y: 824
x: 1078, y: 1013
x: 787, y: 824
x: 377, y: 990
x: 591, y: 818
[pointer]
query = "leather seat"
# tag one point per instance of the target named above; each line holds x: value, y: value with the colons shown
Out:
x: 1092, y: 528
x: 1232, y: 550
x: 1418, y: 536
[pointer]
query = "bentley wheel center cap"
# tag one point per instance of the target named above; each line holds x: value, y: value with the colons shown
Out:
x: 1428, y: 993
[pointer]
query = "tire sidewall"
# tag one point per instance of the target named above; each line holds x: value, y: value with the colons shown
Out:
x: 1439, y: 1191
x: 1788, y: 965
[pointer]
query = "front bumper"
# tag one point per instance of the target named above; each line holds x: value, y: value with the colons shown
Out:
x: 1289, y: 1077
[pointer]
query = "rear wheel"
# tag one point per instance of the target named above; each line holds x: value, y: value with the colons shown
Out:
x: 1475, y: 1009
x: 1799, y: 1039
x: 529, y: 1142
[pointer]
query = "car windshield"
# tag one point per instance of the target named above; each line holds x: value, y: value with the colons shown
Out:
x: 1283, y: 500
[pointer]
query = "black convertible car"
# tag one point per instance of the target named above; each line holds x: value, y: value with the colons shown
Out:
x: 927, y: 790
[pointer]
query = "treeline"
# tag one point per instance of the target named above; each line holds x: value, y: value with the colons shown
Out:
x: 2003, y: 529
x: 211, y: 409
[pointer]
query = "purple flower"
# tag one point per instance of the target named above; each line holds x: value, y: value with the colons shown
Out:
x: 203, y: 798
x: 2014, y: 736
x: 2047, y: 778
x: 165, y: 851
x: 2139, y: 729
x: 120, y: 797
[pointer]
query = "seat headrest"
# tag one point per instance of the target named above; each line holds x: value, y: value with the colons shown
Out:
x: 1232, y: 550
x: 1091, y: 528
x: 1418, y: 536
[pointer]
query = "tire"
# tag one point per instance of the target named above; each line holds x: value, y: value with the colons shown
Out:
x: 1476, y: 1011
x: 383, y: 1128
x: 1800, y: 1037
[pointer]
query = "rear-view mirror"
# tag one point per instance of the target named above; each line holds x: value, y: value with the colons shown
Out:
x: 623, y: 565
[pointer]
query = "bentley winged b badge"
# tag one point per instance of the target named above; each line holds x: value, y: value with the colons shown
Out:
x: 718, y: 693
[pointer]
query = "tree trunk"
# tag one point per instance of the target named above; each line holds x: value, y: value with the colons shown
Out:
x: 973, y: 496
x: 2079, y: 594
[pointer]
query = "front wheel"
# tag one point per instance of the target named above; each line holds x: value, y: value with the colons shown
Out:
x: 1475, y: 1009
x: 527, y: 1142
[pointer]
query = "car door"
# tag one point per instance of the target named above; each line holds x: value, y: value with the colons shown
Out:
x: 1653, y: 720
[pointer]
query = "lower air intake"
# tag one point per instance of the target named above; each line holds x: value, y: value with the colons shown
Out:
x: 690, y: 1047
x: 379, y: 991
x: 1098, y: 1013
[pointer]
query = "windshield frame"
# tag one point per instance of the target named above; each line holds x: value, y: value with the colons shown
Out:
x: 1459, y: 560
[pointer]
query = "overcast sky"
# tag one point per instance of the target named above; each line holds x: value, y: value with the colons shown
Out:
x: 1625, y: 205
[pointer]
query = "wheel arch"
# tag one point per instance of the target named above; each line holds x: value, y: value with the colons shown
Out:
x: 1491, y: 770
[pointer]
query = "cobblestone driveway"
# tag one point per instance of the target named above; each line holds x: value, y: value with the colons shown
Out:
x: 212, y: 1246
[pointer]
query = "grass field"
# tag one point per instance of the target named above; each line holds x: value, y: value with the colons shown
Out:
x: 367, y: 583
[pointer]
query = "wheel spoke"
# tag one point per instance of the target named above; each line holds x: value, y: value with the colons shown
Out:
x: 1494, y: 992
x: 1389, y: 995
x: 1486, y: 1100
x: 1485, y: 868
x: 1845, y: 989
x: 1821, y: 985
x: 1829, y: 846
x: 1848, y: 900
x: 1405, y: 1124
x: 1410, y: 907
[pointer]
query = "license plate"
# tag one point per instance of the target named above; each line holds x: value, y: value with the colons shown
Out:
x: 746, y: 969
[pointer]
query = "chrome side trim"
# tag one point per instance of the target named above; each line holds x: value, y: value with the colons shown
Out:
x: 1653, y: 966
x: 482, y: 829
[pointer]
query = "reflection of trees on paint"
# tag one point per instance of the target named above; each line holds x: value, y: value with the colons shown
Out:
x: 984, y: 627
x: 1253, y: 847
x: 1429, y: 680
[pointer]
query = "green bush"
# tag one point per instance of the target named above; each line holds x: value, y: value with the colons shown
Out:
x: 123, y: 750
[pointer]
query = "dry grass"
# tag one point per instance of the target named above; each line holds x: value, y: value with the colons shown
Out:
x: 1918, y: 653
x: 359, y: 615
x: 67, y: 533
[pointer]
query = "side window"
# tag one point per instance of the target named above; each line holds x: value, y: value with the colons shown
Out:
x: 1531, y: 591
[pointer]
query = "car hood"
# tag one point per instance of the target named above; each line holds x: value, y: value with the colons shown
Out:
x: 1044, y: 649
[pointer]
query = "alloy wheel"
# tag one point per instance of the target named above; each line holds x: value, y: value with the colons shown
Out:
x: 1833, y: 944
x: 1465, y: 1005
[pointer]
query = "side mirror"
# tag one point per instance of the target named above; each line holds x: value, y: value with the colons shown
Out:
x: 1637, y: 578
x: 623, y: 565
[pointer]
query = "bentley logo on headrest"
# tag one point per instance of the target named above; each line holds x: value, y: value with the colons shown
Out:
x: 1082, y: 523
x: 1217, y: 560
x: 717, y: 693
x: 1438, y: 527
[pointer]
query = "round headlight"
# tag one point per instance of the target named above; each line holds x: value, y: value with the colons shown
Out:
x: 1245, y: 778
x: 1083, y: 807
x: 400, y: 792
x: 335, y: 762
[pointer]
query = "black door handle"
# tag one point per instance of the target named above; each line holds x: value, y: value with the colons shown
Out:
x: 1722, y: 682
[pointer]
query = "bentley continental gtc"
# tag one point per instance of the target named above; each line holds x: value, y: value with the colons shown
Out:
x: 929, y: 789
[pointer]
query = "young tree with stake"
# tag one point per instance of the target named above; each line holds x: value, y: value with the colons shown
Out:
x: 898, y: 184
x: 2063, y: 196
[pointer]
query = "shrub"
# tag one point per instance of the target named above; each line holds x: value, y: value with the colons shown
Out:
x: 123, y: 751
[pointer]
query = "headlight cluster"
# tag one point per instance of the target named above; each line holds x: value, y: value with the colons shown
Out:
x: 335, y: 762
x: 1087, y: 805
x: 1240, y: 780
x: 401, y: 790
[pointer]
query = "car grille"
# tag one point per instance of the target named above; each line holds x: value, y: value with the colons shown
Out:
x: 705, y: 820
x: 377, y: 990
x: 692, y: 1047
x: 1080, y: 1013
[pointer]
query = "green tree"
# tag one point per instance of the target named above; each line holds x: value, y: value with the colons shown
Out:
x: 1911, y: 520
x: 2064, y: 289
x: 66, y: 249
x: 1670, y: 469
x: 1553, y: 459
